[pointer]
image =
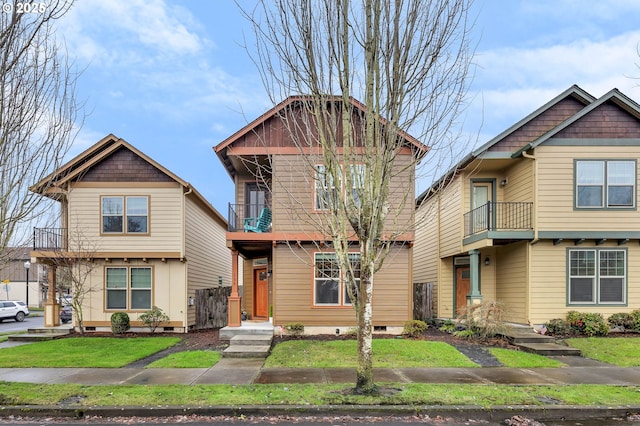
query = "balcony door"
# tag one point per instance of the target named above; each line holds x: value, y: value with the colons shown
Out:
x: 256, y: 198
x: 481, y: 194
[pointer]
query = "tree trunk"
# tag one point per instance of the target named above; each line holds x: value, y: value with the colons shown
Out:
x: 364, y: 371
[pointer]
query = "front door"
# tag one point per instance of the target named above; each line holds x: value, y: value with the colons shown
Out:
x: 260, y: 293
x: 463, y: 286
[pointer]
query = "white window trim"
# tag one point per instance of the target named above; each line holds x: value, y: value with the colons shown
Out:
x: 597, y: 277
x: 342, y: 290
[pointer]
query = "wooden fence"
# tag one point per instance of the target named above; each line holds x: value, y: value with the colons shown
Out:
x: 211, y: 307
x: 423, y: 301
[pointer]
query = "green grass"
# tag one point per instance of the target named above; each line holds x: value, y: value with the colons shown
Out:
x: 103, y: 352
x: 387, y: 353
x: 188, y: 359
x: 621, y: 351
x: 519, y: 359
x: 317, y: 394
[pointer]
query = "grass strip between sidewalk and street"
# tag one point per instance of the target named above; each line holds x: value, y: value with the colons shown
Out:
x: 482, y: 395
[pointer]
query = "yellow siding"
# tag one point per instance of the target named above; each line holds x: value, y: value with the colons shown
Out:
x: 167, y: 290
x: 425, y: 260
x: 548, y: 274
x: 556, y: 190
x: 511, y: 281
x: 451, y: 219
x: 293, y: 282
x: 165, y: 219
x: 519, y: 187
x: 445, y: 289
x: 208, y: 258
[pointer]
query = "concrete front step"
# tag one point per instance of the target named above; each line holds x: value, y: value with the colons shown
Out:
x: 35, y: 337
x: 549, y: 349
x: 227, y: 333
x: 247, y: 351
x: 251, y: 340
x: 50, y: 330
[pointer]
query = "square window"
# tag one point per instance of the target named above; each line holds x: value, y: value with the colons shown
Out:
x: 597, y: 276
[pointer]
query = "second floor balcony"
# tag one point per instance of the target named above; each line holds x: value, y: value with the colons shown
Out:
x: 49, y: 239
x: 507, y: 218
x: 249, y: 218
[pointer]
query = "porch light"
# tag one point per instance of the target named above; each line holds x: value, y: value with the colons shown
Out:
x: 192, y: 301
x: 487, y: 261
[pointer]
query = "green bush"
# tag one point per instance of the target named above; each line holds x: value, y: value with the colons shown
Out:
x: 558, y: 327
x: 635, y: 318
x: 587, y: 323
x: 120, y: 322
x: 414, y: 328
x: 621, y: 320
x: 448, y: 326
x: 464, y: 334
x: 153, y: 318
x: 294, y: 328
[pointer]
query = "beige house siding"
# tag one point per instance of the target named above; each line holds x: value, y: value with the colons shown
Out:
x: 165, y: 218
x: 451, y: 218
x: 520, y: 182
x: 556, y: 190
x: 425, y: 261
x: 446, y: 289
x: 511, y: 266
x: 549, y: 281
x: 167, y: 291
x: 208, y: 259
x: 293, y: 282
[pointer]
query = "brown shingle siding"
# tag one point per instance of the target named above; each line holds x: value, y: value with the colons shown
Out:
x: 539, y: 125
x: 607, y: 121
x: 124, y: 166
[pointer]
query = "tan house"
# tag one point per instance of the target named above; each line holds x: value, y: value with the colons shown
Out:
x: 152, y: 238
x: 543, y: 217
x: 290, y: 269
x: 21, y: 280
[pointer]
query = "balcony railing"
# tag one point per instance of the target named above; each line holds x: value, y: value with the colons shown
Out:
x: 49, y: 239
x: 499, y: 217
x: 239, y: 212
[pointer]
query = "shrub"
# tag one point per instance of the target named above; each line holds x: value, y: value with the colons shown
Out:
x: 294, y: 328
x: 484, y: 319
x: 414, y: 328
x: 621, y: 320
x: 120, y: 322
x: 558, y: 327
x: 464, y: 334
x: 587, y: 323
x: 153, y: 318
x: 635, y: 318
x: 448, y: 326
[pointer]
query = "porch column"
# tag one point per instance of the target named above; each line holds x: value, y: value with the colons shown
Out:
x: 235, y: 301
x: 51, y: 306
x: 474, y: 297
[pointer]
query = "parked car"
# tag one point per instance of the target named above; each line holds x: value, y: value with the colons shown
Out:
x: 66, y: 312
x: 13, y: 309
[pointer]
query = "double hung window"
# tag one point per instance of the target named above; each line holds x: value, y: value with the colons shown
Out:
x: 327, y: 189
x: 597, y: 276
x: 605, y: 184
x: 128, y: 288
x: 125, y: 215
x: 330, y: 281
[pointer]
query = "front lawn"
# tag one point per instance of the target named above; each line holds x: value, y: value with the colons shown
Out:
x: 188, y: 359
x: 104, y: 352
x: 621, y: 351
x: 387, y: 353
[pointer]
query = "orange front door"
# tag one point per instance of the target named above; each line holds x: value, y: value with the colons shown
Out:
x: 463, y: 286
x: 260, y: 293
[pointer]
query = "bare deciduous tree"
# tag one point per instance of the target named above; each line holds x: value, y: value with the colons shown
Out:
x: 38, y: 110
x: 408, y: 62
x: 74, y: 265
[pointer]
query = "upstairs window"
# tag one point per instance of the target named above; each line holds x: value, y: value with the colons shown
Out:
x: 325, y: 188
x: 605, y: 184
x: 125, y: 215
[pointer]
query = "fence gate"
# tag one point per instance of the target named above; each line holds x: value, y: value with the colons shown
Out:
x: 211, y: 307
x: 423, y: 301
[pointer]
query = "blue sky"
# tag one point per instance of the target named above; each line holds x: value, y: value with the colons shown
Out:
x: 172, y: 77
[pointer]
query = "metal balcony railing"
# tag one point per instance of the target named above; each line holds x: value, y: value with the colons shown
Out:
x: 49, y: 239
x: 504, y: 216
x: 239, y: 212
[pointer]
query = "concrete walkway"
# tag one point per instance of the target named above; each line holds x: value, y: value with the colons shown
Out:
x: 238, y: 371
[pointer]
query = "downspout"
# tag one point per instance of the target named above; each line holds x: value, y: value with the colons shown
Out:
x: 184, y: 254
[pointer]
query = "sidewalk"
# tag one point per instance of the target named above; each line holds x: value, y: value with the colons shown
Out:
x: 239, y: 371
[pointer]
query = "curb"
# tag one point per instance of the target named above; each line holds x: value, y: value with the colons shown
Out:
x: 548, y: 412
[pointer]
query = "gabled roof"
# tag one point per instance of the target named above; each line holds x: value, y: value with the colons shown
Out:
x: 574, y: 92
x: 221, y: 148
x: 52, y: 185
x: 614, y: 95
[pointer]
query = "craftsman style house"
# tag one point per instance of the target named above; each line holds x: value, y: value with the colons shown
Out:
x: 152, y: 239
x: 543, y: 217
x: 290, y: 269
